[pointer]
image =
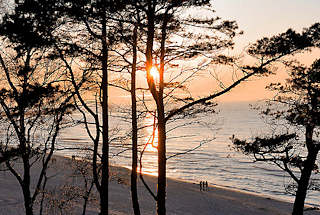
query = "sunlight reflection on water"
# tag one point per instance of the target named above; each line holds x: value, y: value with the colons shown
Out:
x: 214, y: 162
x: 151, y: 133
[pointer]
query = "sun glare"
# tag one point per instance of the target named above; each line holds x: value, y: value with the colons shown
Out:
x: 151, y: 134
x: 152, y: 147
x: 154, y: 73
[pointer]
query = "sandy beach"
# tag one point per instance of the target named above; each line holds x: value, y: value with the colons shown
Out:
x: 182, y: 197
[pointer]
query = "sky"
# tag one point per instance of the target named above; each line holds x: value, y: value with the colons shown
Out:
x: 265, y: 18
x: 258, y: 19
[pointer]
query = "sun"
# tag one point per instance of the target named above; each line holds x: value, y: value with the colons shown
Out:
x: 154, y: 73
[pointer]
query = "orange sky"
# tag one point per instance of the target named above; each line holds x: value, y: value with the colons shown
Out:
x: 264, y: 18
x: 258, y: 18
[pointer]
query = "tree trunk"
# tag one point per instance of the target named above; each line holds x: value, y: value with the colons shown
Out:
x: 105, y: 126
x: 161, y: 197
x: 134, y: 193
x: 158, y: 97
x: 28, y: 204
x: 298, y: 206
x: 162, y: 159
x: 301, y: 193
x: 27, y: 200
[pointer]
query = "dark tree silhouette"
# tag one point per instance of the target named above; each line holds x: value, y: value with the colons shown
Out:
x: 296, y: 104
x: 162, y: 20
x: 134, y: 192
x: 90, y: 31
x: 35, y: 98
x: 128, y: 53
x: 94, y: 34
x: 158, y: 32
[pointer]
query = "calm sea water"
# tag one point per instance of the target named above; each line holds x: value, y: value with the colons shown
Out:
x: 215, y: 161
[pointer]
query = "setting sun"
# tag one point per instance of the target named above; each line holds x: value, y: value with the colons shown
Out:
x: 154, y: 73
x: 160, y: 107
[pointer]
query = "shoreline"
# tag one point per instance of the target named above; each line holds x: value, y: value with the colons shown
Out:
x: 183, y: 197
x: 230, y: 188
x: 234, y: 194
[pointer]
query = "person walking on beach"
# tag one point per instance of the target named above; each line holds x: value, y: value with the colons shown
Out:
x: 206, y: 185
x: 201, y: 185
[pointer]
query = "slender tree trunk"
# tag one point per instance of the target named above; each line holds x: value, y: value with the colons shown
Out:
x: 298, y: 206
x: 105, y: 138
x: 25, y: 185
x: 134, y: 193
x: 161, y: 197
x: 43, y: 194
x: 158, y: 97
x: 84, y: 209
x: 162, y: 160
x: 28, y: 204
x: 149, y: 51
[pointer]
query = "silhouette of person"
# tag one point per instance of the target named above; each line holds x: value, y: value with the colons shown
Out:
x: 201, y: 185
x: 207, y: 185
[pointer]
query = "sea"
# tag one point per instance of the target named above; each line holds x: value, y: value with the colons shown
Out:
x: 200, y: 149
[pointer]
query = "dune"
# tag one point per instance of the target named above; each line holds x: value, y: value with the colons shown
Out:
x: 182, y: 197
